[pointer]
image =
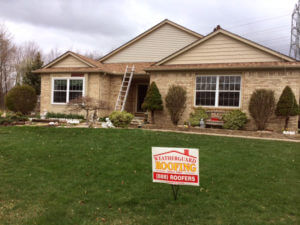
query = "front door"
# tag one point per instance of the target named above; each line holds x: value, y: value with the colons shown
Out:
x: 141, y: 94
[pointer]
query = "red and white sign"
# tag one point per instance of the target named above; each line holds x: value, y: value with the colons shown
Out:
x: 177, y: 166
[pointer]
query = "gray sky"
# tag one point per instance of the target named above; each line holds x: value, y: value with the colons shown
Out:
x: 102, y: 25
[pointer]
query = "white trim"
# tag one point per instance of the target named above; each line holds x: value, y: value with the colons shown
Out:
x: 67, y: 91
x: 217, y: 91
x: 61, y: 57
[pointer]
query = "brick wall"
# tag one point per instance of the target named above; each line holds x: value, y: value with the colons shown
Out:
x: 251, y: 80
x: 98, y: 86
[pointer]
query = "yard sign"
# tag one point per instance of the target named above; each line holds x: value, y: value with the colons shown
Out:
x: 176, y: 166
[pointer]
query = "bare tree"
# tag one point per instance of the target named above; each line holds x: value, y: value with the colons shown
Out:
x: 93, y: 54
x: 25, y: 55
x: 89, y: 105
x: 50, y: 56
x: 7, y: 57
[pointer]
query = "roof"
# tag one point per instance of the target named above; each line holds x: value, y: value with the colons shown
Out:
x: 94, y: 66
x: 70, y: 70
x: 85, y: 60
x: 119, y: 68
x: 166, y: 21
x: 232, y: 35
x: 222, y: 66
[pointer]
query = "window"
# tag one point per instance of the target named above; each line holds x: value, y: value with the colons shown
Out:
x: 218, y: 91
x: 66, y: 89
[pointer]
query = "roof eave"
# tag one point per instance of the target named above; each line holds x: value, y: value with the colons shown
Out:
x: 224, y: 68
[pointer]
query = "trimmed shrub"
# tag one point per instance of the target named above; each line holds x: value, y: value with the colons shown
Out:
x: 121, y: 119
x: 5, y: 121
x: 175, y: 102
x: 13, y: 117
x: 17, y: 117
x: 234, y: 120
x: 64, y: 116
x: 21, y: 99
x: 152, y: 101
x: 287, y: 105
x: 197, y: 115
x: 261, y: 107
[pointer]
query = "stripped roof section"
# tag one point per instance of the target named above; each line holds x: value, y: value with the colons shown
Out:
x: 119, y: 68
x: 231, y: 66
x: 166, y: 21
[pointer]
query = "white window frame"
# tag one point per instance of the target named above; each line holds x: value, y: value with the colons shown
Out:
x: 217, y: 91
x: 68, y: 89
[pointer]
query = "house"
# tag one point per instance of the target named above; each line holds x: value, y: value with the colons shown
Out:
x: 220, y: 71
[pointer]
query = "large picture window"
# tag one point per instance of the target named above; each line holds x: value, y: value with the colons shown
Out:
x: 66, y: 89
x: 218, y: 91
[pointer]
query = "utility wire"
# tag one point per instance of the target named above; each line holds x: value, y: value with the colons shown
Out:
x: 269, y: 29
x: 259, y: 21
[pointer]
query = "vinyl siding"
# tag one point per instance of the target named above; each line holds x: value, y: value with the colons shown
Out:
x: 222, y: 49
x: 70, y: 61
x: 154, y: 46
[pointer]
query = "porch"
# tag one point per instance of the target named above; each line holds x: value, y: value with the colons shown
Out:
x: 137, y: 93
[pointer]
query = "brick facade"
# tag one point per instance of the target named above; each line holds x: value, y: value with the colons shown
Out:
x: 275, y: 80
x: 106, y: 87
x: 97, y: 85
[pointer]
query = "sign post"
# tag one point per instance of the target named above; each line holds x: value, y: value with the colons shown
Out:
x: 175, y: 166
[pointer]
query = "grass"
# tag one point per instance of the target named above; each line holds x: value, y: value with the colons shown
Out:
x: 103, y: 176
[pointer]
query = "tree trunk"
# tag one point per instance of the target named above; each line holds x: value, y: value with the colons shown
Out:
x: 152, y: 116
x: 286, y: 122
x: 87, y: 117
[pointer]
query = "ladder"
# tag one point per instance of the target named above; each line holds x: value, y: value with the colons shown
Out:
x: 122, y: 97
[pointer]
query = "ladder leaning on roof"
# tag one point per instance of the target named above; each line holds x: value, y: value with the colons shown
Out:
x: 122, y: 97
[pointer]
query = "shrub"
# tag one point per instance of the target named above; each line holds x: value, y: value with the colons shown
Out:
x: 13, y: 117
x: 197, y: 115
x: 121, y: 119
x: 152, y: 101
x: 5, y: 121
x: 234, y: 120
x: 17, y: 117
x: 287, y: 105
x: 261, y: 107
x: 64, y: 116
x: 175, y: 102
x: 21, y: 99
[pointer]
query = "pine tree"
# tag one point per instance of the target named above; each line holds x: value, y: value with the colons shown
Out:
x: 287, y: 105
x: 34, y: 80
x: 152, y: 100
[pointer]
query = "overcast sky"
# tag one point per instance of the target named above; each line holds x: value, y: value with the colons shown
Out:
x: 102, y: 25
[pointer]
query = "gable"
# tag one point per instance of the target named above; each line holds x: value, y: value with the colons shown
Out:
x: 222, y: 49
x: 154, y: 46
x: 69, y: 61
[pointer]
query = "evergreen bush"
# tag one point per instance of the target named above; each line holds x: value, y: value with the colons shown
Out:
x: 152, y: 101
x: 234, y: 120
x: 175, y: 102
x: 287, y: 105
x: 197, y: 115
x: 21, y: 99
x: 261, y: 107
x: 121, y: 119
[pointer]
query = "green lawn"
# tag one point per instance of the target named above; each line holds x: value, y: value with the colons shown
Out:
x: 103, y: 176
